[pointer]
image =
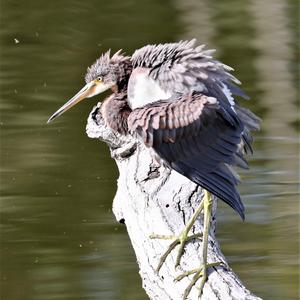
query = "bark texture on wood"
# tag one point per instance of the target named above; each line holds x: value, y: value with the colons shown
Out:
x: 153, y: 199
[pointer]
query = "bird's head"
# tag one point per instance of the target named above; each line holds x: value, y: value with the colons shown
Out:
x: 108, y: 72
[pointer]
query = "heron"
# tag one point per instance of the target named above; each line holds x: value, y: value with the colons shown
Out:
x: 180, y: 102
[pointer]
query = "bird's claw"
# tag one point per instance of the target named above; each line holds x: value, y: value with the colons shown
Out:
x: 181, y: 240
x: 198, y: 273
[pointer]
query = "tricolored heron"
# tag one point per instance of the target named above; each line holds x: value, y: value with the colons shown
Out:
x: 179, y: 101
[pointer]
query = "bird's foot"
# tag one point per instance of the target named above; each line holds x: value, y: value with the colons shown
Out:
x: 181, y: 240
x: 200, y: 273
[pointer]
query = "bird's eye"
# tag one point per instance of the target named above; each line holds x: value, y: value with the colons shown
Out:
x: 99, y: 78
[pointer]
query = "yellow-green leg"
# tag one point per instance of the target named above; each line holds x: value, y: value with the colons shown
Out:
x: 182, y: 239
x: 201, y: 273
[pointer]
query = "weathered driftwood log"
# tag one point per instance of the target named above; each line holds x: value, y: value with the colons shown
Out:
x: 153, y: 199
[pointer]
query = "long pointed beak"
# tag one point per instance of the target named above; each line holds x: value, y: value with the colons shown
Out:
x: 90, y: 89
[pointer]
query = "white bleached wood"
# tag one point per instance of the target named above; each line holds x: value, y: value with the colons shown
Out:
x: 152, y: 199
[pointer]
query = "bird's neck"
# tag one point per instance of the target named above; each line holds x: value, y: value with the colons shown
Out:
x: 121, y: 87
x: 125, y: 69
x: 115, y: 111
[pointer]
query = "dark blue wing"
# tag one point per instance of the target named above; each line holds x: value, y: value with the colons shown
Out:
x: 198, y: 138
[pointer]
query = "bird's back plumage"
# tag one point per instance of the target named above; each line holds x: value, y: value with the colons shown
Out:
x: 182, y: 67
x: 199, y: 131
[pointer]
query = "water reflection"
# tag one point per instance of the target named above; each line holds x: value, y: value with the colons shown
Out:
x: 59, y: 238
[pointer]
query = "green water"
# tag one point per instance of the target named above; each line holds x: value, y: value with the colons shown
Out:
x: 59, y: 238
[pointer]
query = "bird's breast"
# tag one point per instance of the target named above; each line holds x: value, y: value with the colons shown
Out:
x: 142, y: 89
